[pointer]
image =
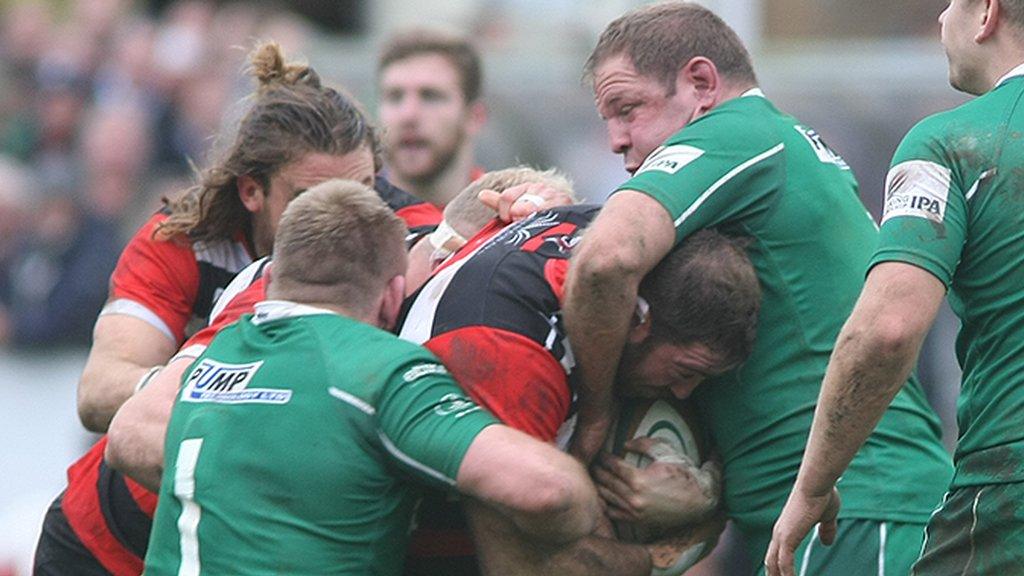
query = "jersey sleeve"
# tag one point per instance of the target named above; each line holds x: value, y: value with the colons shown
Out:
x: 156, y: 281
x: 511, y: 375
x: 924, y: 221
x: 426, y: 422
x: 707, y: 174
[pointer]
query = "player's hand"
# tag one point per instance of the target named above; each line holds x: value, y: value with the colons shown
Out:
x: 522, y: 200
x: 669, y: 493
x: 801, y: 513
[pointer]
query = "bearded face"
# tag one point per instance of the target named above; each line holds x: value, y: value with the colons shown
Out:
x: 424, y: 115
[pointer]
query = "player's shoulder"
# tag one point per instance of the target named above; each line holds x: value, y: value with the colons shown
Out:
x: 735, y: 131
x: 938, y: 136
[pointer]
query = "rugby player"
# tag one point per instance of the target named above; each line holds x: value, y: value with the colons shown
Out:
x: 302, y: 463
x: 431, y: 109
x: 952, y: 221
x: 295, y: 134
x: 705, y: 147
x: 491, y: 314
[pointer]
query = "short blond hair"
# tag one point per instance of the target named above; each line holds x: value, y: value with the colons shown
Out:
x: 337, y: 243
x: 466, y: 214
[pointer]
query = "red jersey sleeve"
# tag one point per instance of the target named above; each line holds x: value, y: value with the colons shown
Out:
x: 156, y: 281
x: 515, y: 378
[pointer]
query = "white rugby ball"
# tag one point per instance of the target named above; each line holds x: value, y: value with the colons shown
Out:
x: 676, y: 423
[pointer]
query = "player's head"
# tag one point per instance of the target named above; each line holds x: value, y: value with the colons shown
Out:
x: 296, y: 133
x: 657, y: 68
x: 430, y: 84
x: 467, y: 214
x: 697, y: 318
x: 976, y: 34
x: 339, y: 244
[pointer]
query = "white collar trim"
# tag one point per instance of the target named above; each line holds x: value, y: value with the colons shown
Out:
x: 269, y: 310
x: 753, y: 92
x: 1018, y: 71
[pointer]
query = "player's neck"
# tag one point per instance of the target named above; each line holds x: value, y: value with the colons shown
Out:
x: 448, y: 183
x: 1002, y: 63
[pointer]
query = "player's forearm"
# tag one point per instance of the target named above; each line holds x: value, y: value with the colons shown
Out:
x: 105, y: 385
x: 595, y: 556
x: 135, y: 441
x: 124, y: 349
x: 600, y: 300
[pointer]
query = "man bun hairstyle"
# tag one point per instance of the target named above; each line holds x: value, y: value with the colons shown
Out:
x: 706, y: 291
x: 453, y: 47
x: 290, y: 114
x: 337, y: 243
x: 661, y: 38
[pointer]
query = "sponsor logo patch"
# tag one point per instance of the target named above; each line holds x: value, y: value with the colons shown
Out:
x: 417, y: 372
x: 453, y: 404
x: 919, y: 189
x: 821, y: 150
x: 213, y: 381
x: 670, y: 159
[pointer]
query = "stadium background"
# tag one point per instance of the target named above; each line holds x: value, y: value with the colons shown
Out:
x: 103, y: 104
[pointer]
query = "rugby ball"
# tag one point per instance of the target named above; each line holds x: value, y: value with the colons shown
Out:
x: 677, y: 424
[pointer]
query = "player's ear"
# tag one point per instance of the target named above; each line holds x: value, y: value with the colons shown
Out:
x: 391, y: 302
x: 700, y: 76
x: 990, y: 20
x: 250, y: 192
x: 640, y: 326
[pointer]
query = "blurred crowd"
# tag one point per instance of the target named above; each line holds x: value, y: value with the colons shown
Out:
x: 104, y: 111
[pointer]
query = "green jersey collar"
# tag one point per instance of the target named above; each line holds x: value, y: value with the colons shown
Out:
x: 270, y: 310
x: 1018, y: 71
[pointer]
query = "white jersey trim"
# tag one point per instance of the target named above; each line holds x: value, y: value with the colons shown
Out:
x: 412, y: 462
x: 137, y: 310
x: 1016, y: 71
x: 351, y: 400
x: 269, y: 310
x: 228, y: 255
x: 243, y: 280
x: 725, y: 179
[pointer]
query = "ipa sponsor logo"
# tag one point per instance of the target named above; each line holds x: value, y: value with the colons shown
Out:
x: 213, y: 381
x: 918, y: 189
x: 670, y: 159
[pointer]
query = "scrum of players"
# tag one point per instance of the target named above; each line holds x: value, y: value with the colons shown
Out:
x: 413, y: 365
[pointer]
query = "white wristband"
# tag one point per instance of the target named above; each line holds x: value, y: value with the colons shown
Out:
x: 445, y: 240
x: 149, y: 375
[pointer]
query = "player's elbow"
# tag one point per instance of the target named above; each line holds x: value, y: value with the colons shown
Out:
x: 889, y: 338
x: 600, y: 263
x: 562, y: 505
x: 92, y: 411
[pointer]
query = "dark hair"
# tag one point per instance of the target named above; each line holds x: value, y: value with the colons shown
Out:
x: 661, y: 38
x: 462, y: 55
x: 292, y: 114
x: 706, y: 291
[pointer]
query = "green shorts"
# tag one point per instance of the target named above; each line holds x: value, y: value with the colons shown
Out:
x: 977, y: 530
x: 861, y: 548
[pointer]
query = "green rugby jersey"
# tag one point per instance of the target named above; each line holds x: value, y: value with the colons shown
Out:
x: 750, y: 170
x: 293, y: 443
x: 954, y: 206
